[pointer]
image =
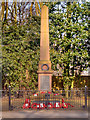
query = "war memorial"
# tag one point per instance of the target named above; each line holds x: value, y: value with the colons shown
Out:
x: 44, y: 98
x: 44, y: 71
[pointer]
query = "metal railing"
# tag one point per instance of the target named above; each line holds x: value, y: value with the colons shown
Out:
x: 59, y: 99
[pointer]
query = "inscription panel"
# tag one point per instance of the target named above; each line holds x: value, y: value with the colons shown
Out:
x: 44, y: 83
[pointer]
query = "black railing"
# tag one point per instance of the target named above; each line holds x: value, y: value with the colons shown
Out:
x: 59, y: 99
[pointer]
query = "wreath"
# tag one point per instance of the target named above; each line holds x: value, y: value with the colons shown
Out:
x: 57, y: 105
x: 56, y: 94
x: 35, y: 94
x: 26, y: 104
x: 49, y: 92
x: 34, y: 106
x: 42, y: 92
x: 42, y: 105
x: 70, y: 104
x: 50, y: 105
x: 64, y: 105
x: 45, y: 65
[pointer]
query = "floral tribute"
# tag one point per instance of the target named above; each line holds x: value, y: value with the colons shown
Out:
x: 27, y: 104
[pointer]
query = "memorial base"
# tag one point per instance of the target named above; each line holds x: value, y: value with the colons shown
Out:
x: 45, y: 80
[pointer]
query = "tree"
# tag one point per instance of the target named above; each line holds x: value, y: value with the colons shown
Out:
x: 15, y: 11
x: 2, y: 10
x: 68, y: 44
x: 21, y: 54
x: 68, y: 38
x: 21, y: 36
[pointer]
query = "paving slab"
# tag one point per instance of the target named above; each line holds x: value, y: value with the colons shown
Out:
x: 45, y: 114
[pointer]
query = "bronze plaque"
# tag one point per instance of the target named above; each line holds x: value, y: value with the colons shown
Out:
x: 44, y: 83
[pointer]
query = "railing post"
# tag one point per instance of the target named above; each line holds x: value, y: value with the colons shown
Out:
x: 47, y: 99
x: 39, y: 99
x: 71, y: 92
x: 9, y: 97
x: 85, y: 96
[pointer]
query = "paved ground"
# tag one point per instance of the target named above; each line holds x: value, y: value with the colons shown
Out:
x: 45, y: 114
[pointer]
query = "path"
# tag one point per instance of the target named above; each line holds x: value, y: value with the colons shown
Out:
x: 45, y: 114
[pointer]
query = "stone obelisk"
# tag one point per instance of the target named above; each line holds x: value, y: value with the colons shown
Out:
x: 44, y: 70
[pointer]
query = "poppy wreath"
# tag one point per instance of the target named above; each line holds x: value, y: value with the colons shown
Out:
x: 42, y: 106
x: 50, y: 105
x: 70, y: 104
x: 56, y: 94
x: 34, y: 106
x: 35, y: 94
x: 57, y: 105
x: 42, y: 92
x: 64, y: 105
x: 26, y: 104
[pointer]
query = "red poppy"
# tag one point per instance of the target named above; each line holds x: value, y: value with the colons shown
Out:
x: 42, y: 105
x: 49, y: 92
x: 26, y: 104
x: 57, y: 105
x: 70, y: 104
x: 50, y: 105
x: 42, y: 92
x: 56, y: 94
x: 64, y: 105
x: 34, y: 106
x: 35, y: 94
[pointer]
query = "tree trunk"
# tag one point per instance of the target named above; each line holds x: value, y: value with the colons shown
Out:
x: 66, y: 90
x: 2, y: 11
x: 72, y: 84
x: 15, y: 6
x: 31, y: 9
x: 6, y: 9
x: 41, y: 4
x: 27, y: 75
x: 36, y: 8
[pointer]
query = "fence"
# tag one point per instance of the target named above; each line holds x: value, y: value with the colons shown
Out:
x: 27, y: 99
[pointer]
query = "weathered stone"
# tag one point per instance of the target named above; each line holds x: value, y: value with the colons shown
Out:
x: 44, y: 41
x: 44, y: 70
